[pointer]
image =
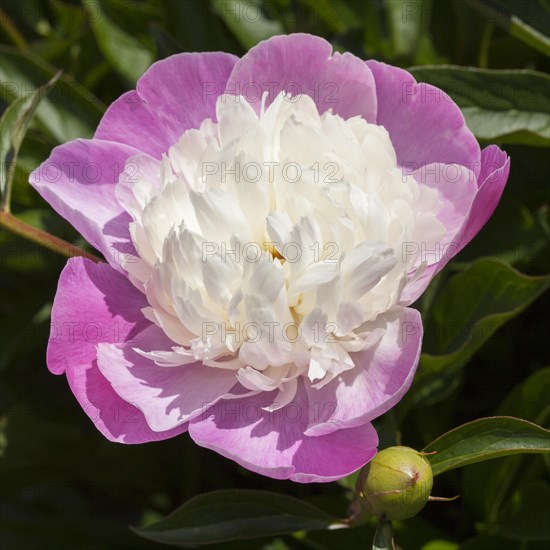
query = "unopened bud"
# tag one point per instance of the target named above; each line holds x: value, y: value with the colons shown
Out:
x: 396, y: 483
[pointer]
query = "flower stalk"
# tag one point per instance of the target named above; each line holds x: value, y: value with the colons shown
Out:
x: 43, y: 238
x: 383, y: 537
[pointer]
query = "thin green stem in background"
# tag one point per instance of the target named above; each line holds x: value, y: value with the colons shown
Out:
x: 43, y: 238
x: 11, y: 31
x: 485, y: 44
x: 14, y: 124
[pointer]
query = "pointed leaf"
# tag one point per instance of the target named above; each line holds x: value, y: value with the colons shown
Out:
x: 71, y: 111
x: 508, y: 106
x: 484, y: 439
x: 468, y: 311
x: 246, y: 21
x: 126, y: 54
x: 222, y: 516
x: 510, y: 16
x: 14, y: 124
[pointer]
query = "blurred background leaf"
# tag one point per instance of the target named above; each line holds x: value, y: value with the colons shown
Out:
x: 466, y: 313
x: 499, y: 106
x: 126, y: 54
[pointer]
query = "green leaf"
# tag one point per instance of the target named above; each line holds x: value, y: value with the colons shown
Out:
x: 126, y: 54
x: 487, y: 288
x: 501, y: 14
x: 408, y: 21
x: 508, y: 106
x: 69, y: 23
x: 484, y: 439
x: 236, y: 514
x: 165, y: 44
x: 513, y: 234
x: 467, y: 312
x: 246, y: 21
x: 487, y: 487
x: 529, y: 399
x: 196, y: 26
x: 528, y: 513
x: 337, y: 15
x: 14, y: 124
x: 70, y: 112
x: 132, y: 15
x: 405, y: 20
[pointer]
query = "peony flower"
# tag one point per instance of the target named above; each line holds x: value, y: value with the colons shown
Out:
x: 266, y: 222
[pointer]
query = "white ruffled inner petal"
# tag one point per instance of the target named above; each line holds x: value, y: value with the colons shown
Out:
x: 269, y: 244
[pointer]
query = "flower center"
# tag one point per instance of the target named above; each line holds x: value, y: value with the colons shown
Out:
x: 272, y: 243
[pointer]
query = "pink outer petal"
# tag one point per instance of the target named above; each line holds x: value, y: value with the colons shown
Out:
x: 115, y: 418
x: 78, y: 181
x: 302, y: 63
x: 425, y: 126
x: 382, y: 376
x: 495, y: 168
x: 457, y: 187
x: 93, y: 304
x: 96, y: 304
x: 168, y: 396
x: 174, y: 95
x: 273, y: 443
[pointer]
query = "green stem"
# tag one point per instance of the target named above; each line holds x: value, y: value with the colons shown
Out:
x: 43, y: 238
x: 483, y: 61
x: 5, y: 201
x: 383, y: 538
x: 11, y: 31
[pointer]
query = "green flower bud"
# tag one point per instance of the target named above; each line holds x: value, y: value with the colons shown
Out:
x: 396, y: 483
